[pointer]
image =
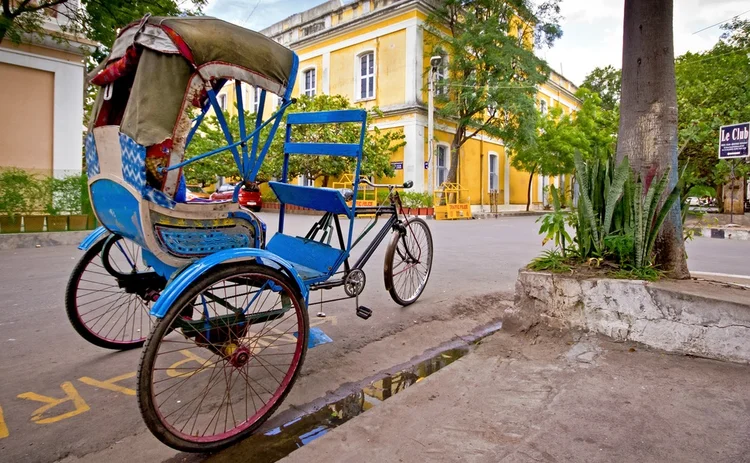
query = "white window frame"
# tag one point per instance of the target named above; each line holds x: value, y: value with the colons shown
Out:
x: 256, y: 98
x: 543, y: 107
x: 359, y: 76
x: 222, y: 98
x: 490, y: 155
x: 446, y: 168
x: 441, y: 75
x: 312, y: 90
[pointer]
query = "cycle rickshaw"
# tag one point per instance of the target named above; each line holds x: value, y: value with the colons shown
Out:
x: 229, y: 308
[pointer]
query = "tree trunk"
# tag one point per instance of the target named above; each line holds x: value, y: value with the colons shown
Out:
x: 455, y: 150
x: 648, y: 113
x: 528, y: 192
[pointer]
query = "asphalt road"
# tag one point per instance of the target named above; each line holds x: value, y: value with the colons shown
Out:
x: 64, y: 398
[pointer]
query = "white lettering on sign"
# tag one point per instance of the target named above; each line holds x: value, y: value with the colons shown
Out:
x: 736, y: 134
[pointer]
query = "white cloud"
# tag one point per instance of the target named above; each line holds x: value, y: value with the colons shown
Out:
x: 592, y: 32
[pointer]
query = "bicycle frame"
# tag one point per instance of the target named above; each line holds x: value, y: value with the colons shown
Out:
x: 392, y: 223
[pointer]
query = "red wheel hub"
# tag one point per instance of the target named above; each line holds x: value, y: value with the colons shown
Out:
x: 240, y: 357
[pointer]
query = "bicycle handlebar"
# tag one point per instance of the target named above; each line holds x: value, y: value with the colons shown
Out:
x: 366, y: 181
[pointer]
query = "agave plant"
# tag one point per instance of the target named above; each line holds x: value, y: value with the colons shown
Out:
x: 647, y: 217
x: 601, y: 185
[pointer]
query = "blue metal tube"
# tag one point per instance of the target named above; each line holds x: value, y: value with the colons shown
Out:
x: 224, y: 148
x: 241, y: 119
x: 225, y: 128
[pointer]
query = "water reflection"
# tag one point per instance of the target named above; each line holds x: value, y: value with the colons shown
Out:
x: 281, y: 441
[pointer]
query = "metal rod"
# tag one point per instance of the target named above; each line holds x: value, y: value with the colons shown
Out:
x: 370, y: 249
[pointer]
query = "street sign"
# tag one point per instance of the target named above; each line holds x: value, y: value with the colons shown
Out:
x: 426, y: 165
x: 397, y: 165
x: 734, y: 140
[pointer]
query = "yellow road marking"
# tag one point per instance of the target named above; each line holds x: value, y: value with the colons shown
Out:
x: 191, y: 357
x: 71, y: 395
x: 110, y: 383
x: 3, y: 427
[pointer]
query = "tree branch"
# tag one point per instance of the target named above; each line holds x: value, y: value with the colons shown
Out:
x: 482, y: 127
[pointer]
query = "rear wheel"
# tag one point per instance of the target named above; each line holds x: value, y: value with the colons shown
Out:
x: 102, y: 309
x: 408, y: 261
x: 223, y: 358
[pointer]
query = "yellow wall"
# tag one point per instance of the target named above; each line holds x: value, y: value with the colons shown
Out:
x: 26, y: 123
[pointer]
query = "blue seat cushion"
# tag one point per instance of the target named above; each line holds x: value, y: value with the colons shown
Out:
x: 312, y: 260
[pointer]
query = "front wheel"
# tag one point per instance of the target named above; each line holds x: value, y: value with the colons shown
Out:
x: 223, y: 358
x: 408, y: 261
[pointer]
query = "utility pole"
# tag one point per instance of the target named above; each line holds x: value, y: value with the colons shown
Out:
x: 434, y: 63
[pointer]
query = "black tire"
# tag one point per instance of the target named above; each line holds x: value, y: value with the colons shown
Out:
x: 257, y: 208
x: 224, y: 340
x: 412, y: 247
x: 88, y: 281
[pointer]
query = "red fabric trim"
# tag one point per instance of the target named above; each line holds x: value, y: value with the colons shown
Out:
x: 185, y: 50
x: 116, y: 69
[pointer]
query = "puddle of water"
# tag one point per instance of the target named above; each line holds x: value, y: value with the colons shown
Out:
x: 280, y: 441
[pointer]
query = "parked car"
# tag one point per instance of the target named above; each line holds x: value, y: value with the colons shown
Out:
x: 196, y: 191
x: 249, y: 195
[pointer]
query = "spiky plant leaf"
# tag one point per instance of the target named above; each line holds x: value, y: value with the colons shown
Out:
x: 673, y: 197
x: 619, y: 178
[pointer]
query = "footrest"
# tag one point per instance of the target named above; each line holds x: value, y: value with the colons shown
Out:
x: 363, y: 312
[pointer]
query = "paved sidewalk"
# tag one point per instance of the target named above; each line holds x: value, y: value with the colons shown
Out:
x: 543, y: 399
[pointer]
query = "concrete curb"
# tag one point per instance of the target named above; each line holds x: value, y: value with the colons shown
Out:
x: 687, y: 317
x: 45, y: 239
x: 726, y: 233
x: 498, y: 215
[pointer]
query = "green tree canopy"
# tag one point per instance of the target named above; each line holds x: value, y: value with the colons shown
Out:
x: 607, y: 83
x: 551, y: 151
x: 378, y: 148
x: 97, y: 20
x: 493, y: 73
x: 713, y: 89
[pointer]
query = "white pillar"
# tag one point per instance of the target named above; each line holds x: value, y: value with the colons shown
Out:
x: 414, y: 57
x: 325, y: 84
x: 414, y: 155
x: 506, y: 180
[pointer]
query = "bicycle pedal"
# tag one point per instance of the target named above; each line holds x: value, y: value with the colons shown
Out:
x: 363, y: 312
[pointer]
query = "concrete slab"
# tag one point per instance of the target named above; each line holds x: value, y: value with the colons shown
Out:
x: 703, y: 318
x: 526, y: 399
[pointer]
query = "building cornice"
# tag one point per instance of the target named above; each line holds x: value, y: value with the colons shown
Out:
x: 374, y: 16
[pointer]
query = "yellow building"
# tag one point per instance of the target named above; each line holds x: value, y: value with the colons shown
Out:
x: 374, y: 53
x: 41, y: 90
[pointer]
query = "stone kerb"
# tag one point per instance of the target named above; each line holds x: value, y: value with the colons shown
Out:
x: 690, y: 318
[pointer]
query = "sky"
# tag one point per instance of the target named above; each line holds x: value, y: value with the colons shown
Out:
x: 592, y: 29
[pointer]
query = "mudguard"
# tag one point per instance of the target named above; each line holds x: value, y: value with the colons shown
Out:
x: 93, y: 237
x: 188, y: 276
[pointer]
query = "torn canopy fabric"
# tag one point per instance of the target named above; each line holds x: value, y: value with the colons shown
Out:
x: 176, y: 57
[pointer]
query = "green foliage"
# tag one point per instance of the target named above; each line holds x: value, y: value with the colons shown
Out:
x: 640, y: 273
x: 713, y: 89
x: 19, y: 191
x: 550, y: 261
x: 415, y: 199
x: 493, y: 72
x: 618, y: 216
x: 554, y: 223
x: 65, y: 195
x: 601, y: 185
x: 96, y: 20
x: 377, y: 151
x: 607, y: 82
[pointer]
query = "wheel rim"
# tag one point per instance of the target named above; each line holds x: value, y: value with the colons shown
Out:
x: 412, y: 261
x: 105, y: 309
x: 214, y: 377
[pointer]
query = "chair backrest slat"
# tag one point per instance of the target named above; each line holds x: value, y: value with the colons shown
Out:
x: 351, y: 150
